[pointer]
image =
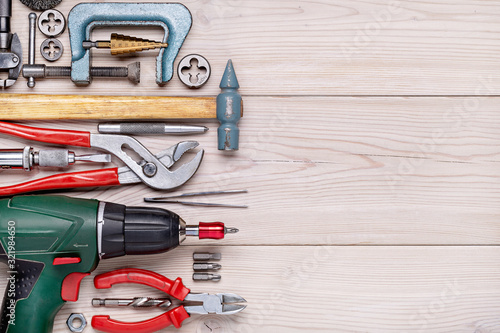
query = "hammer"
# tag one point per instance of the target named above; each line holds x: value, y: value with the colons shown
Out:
x: 227, y: 107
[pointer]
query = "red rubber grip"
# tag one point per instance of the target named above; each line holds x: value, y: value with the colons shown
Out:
x: 141, y: 276
x: 55, y: 136
x: 212, y: 230
x: 173, y: 317
x: 90, y: 178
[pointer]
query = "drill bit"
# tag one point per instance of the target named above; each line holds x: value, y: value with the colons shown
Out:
x: 231, y: 230
x: 201, y: 267
x: 121, y: 44
x: 137, y: 302
x: 206, y: 277
x: 205, y: 256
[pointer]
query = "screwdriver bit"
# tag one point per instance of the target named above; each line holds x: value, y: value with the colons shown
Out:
x: 206, y: 277
x: 201, y: 266
x: 206, y: 256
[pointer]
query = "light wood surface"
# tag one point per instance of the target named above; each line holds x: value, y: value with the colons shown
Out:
x: 370, y: 150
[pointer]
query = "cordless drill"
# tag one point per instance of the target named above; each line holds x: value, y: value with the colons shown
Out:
x: 50, y: 243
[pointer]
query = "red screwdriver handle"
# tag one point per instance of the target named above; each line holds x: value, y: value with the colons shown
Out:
x: 55, y: 136
x: 141, y: 276
x: 173, y: 317
x: 90, y: 178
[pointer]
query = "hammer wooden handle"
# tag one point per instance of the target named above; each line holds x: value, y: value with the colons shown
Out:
x: 31, y: 107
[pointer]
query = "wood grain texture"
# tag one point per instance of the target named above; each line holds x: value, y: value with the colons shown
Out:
x: 327, y: 289
x: 321, y: 47
x: 360, y: 170
x: 370, y: 149
x: 34, y: 106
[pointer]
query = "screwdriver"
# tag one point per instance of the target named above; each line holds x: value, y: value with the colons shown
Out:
x: 27, y: 158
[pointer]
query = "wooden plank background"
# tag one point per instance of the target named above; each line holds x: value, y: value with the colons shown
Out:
x: 370, y: 149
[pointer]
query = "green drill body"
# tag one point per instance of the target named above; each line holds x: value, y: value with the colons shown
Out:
x: 35, y: 230
x: 50, y: 243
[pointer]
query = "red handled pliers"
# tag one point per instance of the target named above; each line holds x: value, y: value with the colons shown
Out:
x: 211, y: 304
x: 152, y: 170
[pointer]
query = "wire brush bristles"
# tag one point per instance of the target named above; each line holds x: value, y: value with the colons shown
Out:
x: 41, y: 4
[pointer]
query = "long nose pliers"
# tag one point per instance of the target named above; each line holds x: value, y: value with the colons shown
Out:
x: 152, y: 170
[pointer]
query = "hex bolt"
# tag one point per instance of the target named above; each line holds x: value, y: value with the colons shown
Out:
x: 132, y: 71
x: 31, y: 49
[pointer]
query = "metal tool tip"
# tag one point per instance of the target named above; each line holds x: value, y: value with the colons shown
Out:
x: 205, y: 129
x: 97, y: 302
x: 229, y: 79
x: 231, y: 230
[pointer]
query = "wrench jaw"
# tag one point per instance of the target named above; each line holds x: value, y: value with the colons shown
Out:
x: 168, y: 157
x: 9, y: 61
x: 186, y: 171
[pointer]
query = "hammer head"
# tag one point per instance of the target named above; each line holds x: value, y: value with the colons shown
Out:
x: 229, y: 110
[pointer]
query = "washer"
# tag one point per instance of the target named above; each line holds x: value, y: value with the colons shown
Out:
x: 51, y: 16
x: 185, y: 63
x: 52, y: 56
x: 72, y: 318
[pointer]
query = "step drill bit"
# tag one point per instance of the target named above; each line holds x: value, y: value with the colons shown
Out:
x: 121, y: 44
x: 137, y: 302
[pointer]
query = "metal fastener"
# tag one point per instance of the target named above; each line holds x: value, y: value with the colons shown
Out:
x: 51, y: 49
x: 201, y: 70
x: 51, y: 23
x: 71, y: 320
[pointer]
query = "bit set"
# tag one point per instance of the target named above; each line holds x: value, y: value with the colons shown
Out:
x: 202, y: 268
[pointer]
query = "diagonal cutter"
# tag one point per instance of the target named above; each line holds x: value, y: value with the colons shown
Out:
x: 153, y: 170
x: 192, y: 303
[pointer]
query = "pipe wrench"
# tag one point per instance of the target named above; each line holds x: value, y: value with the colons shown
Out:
x: 11, y: 51
x: 153, y: 170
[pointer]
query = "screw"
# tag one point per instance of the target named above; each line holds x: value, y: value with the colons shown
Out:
x: 149, y: 169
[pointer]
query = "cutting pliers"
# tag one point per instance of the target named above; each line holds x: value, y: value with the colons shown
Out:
x: 210, y: 304
x: 153, y: 170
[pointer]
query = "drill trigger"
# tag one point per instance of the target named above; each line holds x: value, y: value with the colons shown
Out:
x: 71, y: 286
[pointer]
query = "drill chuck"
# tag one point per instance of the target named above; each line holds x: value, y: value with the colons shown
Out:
x: 125, y: 230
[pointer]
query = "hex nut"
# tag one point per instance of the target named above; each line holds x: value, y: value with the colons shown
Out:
x: 72, y: 318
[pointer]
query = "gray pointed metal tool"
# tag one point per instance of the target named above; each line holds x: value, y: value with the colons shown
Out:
x: 173, y: 199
